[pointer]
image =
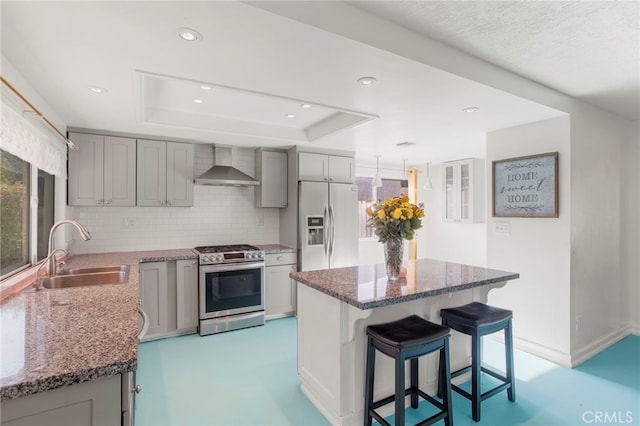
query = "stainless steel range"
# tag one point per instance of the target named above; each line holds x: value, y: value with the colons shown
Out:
x: 231, y: 284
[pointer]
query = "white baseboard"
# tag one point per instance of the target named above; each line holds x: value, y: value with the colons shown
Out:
x: 634, y: 329
x: 581, y: 355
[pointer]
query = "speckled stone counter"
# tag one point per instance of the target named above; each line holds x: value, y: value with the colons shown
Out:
x: 275, y: 248
x: 367, y: 287
x: 55, y: 338
x: 334, y: 308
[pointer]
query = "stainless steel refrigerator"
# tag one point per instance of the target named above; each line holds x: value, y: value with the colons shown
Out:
x: 328, y: 225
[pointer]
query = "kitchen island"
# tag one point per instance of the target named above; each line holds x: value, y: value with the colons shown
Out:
x: 336, y: 305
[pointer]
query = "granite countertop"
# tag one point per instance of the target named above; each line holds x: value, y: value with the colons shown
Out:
x: 55, y: 338
x: 275, y: 248
x: 367, y: 287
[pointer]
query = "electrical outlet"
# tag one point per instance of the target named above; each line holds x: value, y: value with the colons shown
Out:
x: 503, y: 228
x: 129, y: 223
x: 260, y: 220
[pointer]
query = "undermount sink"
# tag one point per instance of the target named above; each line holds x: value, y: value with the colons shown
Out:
x: 97, y: 269
x: 119, y: 275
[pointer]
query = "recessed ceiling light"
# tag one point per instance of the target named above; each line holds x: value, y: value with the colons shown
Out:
x: 291, y: 116
x: 205, y: 87
x: 305, y: 106
x: 188, y: 34
x: 471, y: 109
x: 367, y: 81
x: 96, y: 89
x: 198, y: 101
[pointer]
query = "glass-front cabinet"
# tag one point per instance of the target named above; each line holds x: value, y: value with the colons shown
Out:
x: 464, y: 190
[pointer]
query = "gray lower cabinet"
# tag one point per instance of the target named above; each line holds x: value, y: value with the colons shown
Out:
x: 102, y: 172
x: 169, y: 296
x: 94, y: 403
x: 280, y: 290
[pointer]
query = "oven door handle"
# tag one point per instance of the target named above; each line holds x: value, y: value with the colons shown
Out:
x: 231, y: 267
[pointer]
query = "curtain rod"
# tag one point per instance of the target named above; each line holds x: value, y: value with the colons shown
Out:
x: 67, y: 141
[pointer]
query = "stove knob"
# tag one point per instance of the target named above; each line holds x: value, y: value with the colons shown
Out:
x: 260, y: 255
x: 250, y: 256
x: 205, y: 259
x: 219, y: 258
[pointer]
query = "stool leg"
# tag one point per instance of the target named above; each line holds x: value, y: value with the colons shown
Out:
x: 440, y: 383
x: 414, y: 383
x: 508, y: 347
x: 476, y: 362
x: 445, y: 378
x: 399, y: 400
x: 370, y: 370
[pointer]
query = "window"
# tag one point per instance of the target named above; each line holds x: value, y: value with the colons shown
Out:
x: 367, y: 195
x: 20, y: 220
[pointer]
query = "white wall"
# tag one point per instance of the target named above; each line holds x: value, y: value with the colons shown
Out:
x: 602, y: 201
x: 539, y: 249
x: 452, y: 242
x: 220, y: 215
x: 633, y: 222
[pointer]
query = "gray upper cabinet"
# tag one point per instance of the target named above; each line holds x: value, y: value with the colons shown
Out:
x: 102, y: 172
x: 325, y: 168
x: 271, y: 169
x: 165, y: 173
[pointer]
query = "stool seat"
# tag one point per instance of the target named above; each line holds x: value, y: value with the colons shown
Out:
x: 407, y: 332
x: 476, y: 314
x: 477, y: 320
x: 407, y: 339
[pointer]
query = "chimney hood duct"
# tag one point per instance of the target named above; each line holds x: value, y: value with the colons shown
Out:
x: 223, y: 173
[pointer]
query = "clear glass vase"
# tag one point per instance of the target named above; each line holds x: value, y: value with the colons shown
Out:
x: 393, y: 258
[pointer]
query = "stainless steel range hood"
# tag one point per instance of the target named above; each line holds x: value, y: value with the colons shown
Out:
x: 223, y: 173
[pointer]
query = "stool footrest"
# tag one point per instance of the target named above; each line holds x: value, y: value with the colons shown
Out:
x: 487, y: 370
x: 384, y: 401
x: 485, y: 395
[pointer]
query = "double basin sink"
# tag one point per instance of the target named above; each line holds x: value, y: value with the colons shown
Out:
x: 81, y: 277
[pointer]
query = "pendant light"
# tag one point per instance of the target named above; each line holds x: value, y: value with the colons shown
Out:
x: 428, y: 184
x: 377, y: 180
x: 404, y: 183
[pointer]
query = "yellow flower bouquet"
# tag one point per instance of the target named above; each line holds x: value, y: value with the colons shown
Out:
x: 395, y: 219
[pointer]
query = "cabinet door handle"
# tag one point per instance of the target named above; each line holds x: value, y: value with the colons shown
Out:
x: 279, y: 258
x: 169, y: 203
x: 107, y: 202
x: 137, y: 389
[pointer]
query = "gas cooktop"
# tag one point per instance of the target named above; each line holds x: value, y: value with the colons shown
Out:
x: 226, y: 248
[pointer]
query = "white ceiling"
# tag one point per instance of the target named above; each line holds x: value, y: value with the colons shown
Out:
x: 586, y: 49
x: 63, y: 48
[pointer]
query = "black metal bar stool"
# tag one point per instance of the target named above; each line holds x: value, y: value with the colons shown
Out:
x: 408, y: 339
x: 477, y: 319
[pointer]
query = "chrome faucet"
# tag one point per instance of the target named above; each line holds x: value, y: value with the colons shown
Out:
x: 45, y: 261
x: 51, y: 262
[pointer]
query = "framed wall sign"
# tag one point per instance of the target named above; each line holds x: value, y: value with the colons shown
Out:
x: 526, y: 186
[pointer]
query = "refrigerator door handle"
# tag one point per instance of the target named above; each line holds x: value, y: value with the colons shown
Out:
x: 325, y: 237
x: 333, y: 230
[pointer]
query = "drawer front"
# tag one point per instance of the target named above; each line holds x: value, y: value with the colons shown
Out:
x: 274, y: 259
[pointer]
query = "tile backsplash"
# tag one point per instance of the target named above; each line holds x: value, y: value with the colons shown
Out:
x: 220, y: 215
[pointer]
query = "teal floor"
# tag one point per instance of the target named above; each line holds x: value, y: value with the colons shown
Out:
x: 248, y: 377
